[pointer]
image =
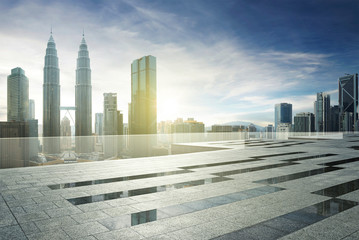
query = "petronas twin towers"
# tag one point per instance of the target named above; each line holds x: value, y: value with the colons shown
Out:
x: 51, y: 101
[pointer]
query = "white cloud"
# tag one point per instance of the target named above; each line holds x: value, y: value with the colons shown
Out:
x: 204, y: 79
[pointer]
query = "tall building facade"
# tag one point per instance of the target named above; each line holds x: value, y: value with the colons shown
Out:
x: 334, y: 118
x: 83, y: 100
x: 14, y: 150
x: 99, y: 124
x: 322, y: 112
x: 65, y: 134
x: 51, y: 99
x: 282, y: 114
x: 110, y: 114
x: 17, y: 96
x: 143, y: 113
x: 348, y: 102
x: 83, y: 92
x: 269, y: 131
x: 31, y: 109
x: 304, y: 122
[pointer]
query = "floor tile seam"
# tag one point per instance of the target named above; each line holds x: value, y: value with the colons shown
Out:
x: 13, y: 215
x: 299, y: 178
x: 308, y: 224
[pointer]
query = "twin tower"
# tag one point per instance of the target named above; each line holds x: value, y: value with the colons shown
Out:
x: 51, y: 99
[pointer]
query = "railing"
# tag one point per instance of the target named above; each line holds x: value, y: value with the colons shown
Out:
x: 23, y: 152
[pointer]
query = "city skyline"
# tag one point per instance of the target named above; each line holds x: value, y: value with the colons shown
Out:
x: 222, y: 72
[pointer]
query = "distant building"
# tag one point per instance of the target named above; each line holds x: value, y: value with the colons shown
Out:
x: 83, y: 93
x: 222, y: 128
x: 65, y: 134
x: 252, y: 128
x: 188, y: 126
x: 112, y: 126
x: 239, y: 128
x: 164, y: 127
x: 269, y: 131
x: 99, y: 124
x: 348, y: 103
x: 282, y: 114
x: 14, y: 144
x: 322, y: 112
x: 51, y: 99
x: 110, y: 114
x: 17, y: 95
x: 31, y: 109
x: 304, y: 122
x: 284, y: 127
x: 143, y: 108
x: 334, y: 118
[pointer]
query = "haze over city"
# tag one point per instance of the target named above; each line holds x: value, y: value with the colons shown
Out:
x: 216, y: 61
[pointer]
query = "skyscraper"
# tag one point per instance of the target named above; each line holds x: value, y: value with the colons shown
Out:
x: 83, y: 99
x: 304, y: 122
x: 143, y: 114
x: 17, y: 96
x: 110, y: 114
x: 31, y: 109
x: 65, y: 134
x: 83, y: 93
x: 51, y: 97
x: 282, y: 114
x: 322, y: 112
x: 348, y: 102
x: 99, y: 124
x: 334, y: 118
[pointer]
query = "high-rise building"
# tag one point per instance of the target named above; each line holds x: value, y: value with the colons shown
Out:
x: 269, y: 131
x: 17, y: 96
x: 99, y: 124
x: 334, y: 118
x: 83, y: 100
x: 14, y: 149
x: 110, y: 114
x: 188, y: 126
x: 65, y: 134
x: 31, y: 109
x: 83, y: 92
x: 322, y: 112
x: 304, y: 122
x: 282, y: 114
x: 143, y: 114
x: 348, y: 102
x: 51, y: 99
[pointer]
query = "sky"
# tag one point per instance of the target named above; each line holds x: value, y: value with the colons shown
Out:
x: 217, y: 61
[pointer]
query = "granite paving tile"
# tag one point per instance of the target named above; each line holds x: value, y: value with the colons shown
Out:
x: 82, y: 230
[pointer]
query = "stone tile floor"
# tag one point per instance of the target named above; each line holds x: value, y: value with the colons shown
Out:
x: 296, y: 189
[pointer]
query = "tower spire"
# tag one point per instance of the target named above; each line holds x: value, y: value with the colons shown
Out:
x: 51, y: 30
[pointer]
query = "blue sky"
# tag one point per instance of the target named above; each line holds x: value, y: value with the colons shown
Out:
x: 217, y: 61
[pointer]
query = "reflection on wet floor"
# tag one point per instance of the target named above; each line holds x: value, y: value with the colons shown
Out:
x: 220, y: 163
x: 188, y: 207
x: 355, y: 147
x: 340, y: 189
x: 288, y: 145
x: 143, y: 191
x: 283, y: 225
x: 276, y: 155
x: 298, y: 175
x: 252, y: 169
x: 310, y: 157
x: 116, y: 179
x: 339, y: 162
x: 258, y: 159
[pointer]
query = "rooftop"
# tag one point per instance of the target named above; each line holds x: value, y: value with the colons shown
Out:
x: 253, y: 189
